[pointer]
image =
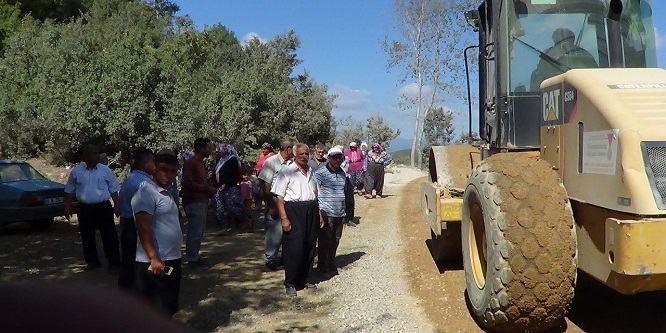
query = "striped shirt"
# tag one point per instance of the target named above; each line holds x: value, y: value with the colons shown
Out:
x: 331, y: 191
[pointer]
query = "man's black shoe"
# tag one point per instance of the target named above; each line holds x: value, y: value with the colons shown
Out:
x: 291, y: 291
x: 351, y: 223
x: 91, y: 267
x: 272, y: 265
x: 310, y: 286
x: 199, y: 264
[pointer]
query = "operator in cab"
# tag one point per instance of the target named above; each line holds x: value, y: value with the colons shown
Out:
x: 561, y: 57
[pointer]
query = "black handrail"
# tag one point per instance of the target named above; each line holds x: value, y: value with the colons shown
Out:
x: 469, y: 94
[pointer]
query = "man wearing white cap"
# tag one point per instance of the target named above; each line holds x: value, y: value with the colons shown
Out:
x: 334, y: 206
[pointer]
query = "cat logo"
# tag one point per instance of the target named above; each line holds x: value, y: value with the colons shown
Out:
x: 551, y: 105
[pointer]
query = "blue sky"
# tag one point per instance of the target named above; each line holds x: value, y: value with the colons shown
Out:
x: 340, y: 47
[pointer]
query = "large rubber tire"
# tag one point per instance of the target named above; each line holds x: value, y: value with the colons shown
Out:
x: 447, y: 246
x: 519, y: 244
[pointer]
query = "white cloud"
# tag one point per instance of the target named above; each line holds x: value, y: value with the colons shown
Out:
x: 252, y: 35
x: 349, y: 99
x: 359, y: 104
x: 411, y: 90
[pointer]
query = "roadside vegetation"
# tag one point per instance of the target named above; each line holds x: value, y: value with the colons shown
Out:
x: 124, y: 73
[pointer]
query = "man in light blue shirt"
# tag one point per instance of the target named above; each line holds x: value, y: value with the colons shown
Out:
x: 142, y: 169
x: 158, y: 256
x: 93, y: 184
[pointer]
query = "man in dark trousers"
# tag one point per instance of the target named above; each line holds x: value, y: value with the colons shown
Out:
x: 196, y: 191
x: 334, y: 190
x: 158, y: 259
x: 296, y: 190
x: 93, y: 184
x: 142, y: 170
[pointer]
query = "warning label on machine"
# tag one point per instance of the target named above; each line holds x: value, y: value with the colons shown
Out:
x: 600, y: 152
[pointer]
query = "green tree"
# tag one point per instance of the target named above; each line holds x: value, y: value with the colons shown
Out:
x: 437, y: 130
x: 433, y: 34
x: 467, y: 138
x: 377, y: 130
x: 347, y: 130
x: 9, y: 21
x: 163, y: 7
x: 122, y: 76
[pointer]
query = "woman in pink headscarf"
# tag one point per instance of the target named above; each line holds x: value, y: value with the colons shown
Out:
x: 356, y: 165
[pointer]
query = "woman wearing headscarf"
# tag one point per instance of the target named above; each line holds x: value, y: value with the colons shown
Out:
x: 230, y: 208
x: 364, y: 149
x: 356, y: 162
x: 374, y: 176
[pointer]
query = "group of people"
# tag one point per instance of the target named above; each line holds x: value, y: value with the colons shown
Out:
x: 151, y: 236
x: 366, y: 168
x: 307, y: 201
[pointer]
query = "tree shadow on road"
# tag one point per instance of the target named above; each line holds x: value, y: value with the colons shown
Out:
x: 233, y: 295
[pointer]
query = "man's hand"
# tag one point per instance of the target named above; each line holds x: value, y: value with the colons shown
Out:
x: 321, y: 222
x: 156, y: 266
x: 68, y: 212
x: 286, y: 225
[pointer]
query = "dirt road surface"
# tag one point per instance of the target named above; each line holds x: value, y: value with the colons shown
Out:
x: 388, y: 280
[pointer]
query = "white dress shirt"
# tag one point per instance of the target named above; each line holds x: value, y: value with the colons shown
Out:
x: 294, y: 185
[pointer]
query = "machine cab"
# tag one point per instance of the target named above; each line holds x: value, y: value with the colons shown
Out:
x: 527, y: 41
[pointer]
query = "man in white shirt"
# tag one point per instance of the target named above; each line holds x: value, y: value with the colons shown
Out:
x: 296, y: 190
x: 158, y: 256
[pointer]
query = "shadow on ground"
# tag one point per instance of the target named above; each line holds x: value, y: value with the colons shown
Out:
x: 237, y: 290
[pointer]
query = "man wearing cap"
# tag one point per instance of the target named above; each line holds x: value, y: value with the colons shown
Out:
x: 334, y: 207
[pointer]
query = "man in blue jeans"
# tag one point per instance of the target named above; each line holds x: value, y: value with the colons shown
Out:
x: 273, y: 225
x: 196, y: 191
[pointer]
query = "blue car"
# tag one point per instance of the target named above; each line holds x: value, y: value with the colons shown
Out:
x: 27, y: 196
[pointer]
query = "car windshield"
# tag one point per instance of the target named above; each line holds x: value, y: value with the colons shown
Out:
x: 549, y: 37
x: 18, y: 171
